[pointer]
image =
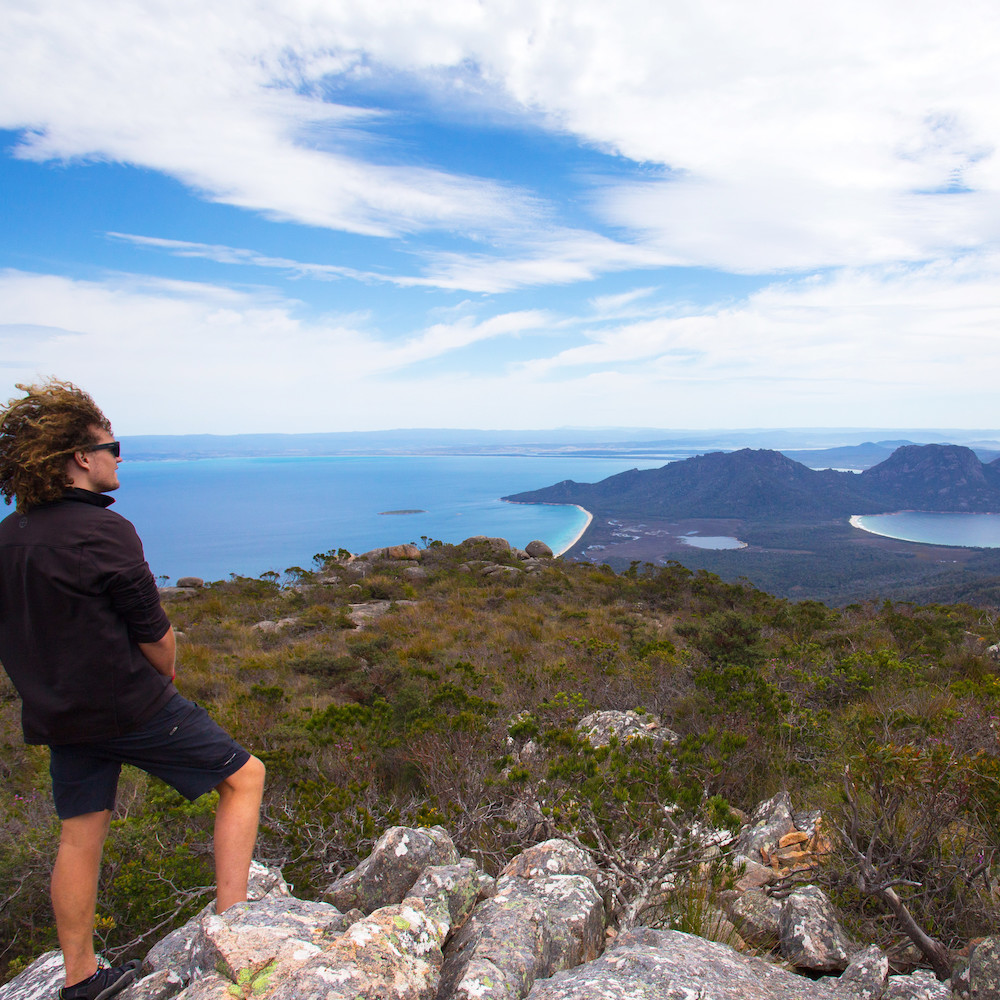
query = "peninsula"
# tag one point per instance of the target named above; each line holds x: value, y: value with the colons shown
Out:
x: 795, y: 521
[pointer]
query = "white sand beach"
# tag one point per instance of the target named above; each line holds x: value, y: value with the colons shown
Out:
x: 855, y: 522
x: 590, y: 517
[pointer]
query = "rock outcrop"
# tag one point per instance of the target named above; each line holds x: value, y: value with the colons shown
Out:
x: 414, y: 921
x: 392, y: 869
x: 811, y: 937
x: 177, y: 593
x: 361, y: 614
x: 758, y: 917
x: 538, y: 550
x: 496, y: 547
x: 785, y: 840
x: 545, y: 916
x: 644, y: 963
x: 599, y: 728
x: 408, y: 552
x: 977, y: 975
x: 268, y: 627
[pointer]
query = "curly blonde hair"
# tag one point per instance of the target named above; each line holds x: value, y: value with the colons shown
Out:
x: 38, y: 433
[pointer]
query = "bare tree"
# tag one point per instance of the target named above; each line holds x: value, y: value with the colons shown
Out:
x: 909, y: 828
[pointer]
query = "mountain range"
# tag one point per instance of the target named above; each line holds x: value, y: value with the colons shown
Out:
x: 823, y: 447
x: 764, y: 485
x: 863, y: 456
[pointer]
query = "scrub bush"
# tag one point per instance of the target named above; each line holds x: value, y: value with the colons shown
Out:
x: 462, y: 710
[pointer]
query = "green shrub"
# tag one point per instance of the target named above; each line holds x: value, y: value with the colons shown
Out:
x: 422, y: 715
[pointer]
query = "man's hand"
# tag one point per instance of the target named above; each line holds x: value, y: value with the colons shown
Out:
x: 162, y: 654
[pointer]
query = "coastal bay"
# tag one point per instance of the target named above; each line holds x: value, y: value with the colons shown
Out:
x: 979, y: 531
x: 583, y: 530
x: 567, y: 543
x: 214, y: 517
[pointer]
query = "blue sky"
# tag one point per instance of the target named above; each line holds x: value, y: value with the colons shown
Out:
x: 311, y: 215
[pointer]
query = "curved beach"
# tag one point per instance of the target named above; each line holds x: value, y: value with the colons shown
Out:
x: 949, y: 529
x: 545, y: 503
x: 590, y: 518
x: 855, y: 522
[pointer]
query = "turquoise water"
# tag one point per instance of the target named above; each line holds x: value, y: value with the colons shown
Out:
x: 214, y: 517
x: 970, y: 530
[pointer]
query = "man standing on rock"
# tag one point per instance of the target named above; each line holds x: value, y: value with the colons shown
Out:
x: 91, y: 653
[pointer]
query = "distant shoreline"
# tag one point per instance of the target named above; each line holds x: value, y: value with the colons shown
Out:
x: 855, y: 522
x: 582, y: 532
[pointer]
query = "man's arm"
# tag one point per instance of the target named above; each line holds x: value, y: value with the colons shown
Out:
x: 162, y: 654
x: 118, y: 560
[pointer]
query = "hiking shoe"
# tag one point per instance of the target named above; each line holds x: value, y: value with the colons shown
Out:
x: 103, y: 984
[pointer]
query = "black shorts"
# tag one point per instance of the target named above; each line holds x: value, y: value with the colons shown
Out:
x: 181, y: 744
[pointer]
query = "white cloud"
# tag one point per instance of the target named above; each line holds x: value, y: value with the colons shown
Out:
x: 798, y: 136
x: 856, y: 342
x: 442, y: 338
x: 623, y: 302
x: 222, y: 254
x: 218, y: 95
x: 553, y: 258
x: 759, y: 226
x: 895, y: 346
x: 187, y: 357
x: 772, y: 137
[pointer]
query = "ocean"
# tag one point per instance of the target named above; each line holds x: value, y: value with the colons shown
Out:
x: 970, y: 530
x: 216, y: 517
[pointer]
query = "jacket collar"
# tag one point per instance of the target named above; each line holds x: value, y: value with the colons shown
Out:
x: 86, y: 496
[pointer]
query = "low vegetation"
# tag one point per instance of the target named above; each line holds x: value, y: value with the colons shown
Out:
x: 830, y: 562
x: 458, y: 705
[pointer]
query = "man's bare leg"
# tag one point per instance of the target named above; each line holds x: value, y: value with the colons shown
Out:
x: 74, y: 890
x: 236, y: 822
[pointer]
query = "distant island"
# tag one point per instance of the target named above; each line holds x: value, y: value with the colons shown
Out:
x: 415, y: 511
x: 794, y: 520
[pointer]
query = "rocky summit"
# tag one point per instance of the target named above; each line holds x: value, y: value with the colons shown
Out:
x: 496, y: 774
x: 415, y: 921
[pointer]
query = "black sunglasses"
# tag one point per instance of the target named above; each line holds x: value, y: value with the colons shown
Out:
x: 115, y: 447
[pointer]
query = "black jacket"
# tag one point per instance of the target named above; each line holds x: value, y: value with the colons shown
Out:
x: 76, y: 596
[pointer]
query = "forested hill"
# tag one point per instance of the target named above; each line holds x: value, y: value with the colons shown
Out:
x: 763, y: 485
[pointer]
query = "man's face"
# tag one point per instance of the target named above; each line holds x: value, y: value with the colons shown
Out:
x: 103, y: 464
